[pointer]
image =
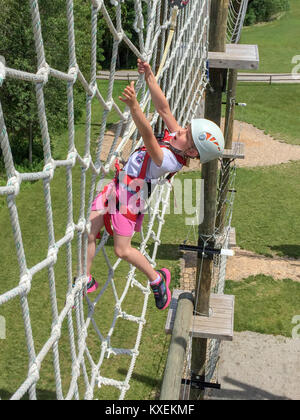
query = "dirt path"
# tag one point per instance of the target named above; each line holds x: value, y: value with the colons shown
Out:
x: 247, y: 263
x: 262, y: 149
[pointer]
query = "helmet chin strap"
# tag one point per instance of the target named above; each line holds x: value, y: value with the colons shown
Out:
x: 179, y: 152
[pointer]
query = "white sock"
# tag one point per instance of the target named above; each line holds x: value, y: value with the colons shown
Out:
x: 157, y: 280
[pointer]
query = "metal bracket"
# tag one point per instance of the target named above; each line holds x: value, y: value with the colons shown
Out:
x: 196, y: 383
x: 208, y: 252
x: 179, y: 3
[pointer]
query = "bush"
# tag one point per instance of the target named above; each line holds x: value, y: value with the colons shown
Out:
x: 265, y: 10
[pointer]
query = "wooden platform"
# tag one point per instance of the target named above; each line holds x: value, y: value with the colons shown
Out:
x: 236, y: 56
x: 237, y: 151
x: 219, y: 325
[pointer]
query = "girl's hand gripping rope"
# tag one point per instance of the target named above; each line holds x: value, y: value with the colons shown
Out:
x: 144, y: 68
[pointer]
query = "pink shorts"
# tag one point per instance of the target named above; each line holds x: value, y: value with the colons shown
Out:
x: 121, y: 224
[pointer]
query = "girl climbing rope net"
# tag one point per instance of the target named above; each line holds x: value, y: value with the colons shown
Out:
x: 121, y: 203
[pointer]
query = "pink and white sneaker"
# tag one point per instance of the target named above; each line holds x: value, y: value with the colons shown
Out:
x: 162, y: 294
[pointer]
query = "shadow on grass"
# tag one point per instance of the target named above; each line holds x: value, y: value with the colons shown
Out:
x: 245, y: 392
x: 292, y: 251
x: 167, y: 251
x: 42, y: 394
x: 147, y: 380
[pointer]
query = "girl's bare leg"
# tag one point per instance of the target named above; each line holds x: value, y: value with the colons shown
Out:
x: 97, y: 224
x: 124, y: 250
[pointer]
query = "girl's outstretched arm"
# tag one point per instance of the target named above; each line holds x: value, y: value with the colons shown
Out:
x: 142, y: 124
x: 158, y: 98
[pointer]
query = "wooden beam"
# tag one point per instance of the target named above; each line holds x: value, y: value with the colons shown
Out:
x: 177, y: 351
x: 236, y: 56
x: 219, y: 325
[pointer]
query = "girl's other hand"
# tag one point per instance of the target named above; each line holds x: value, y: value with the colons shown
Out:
x: 129, y: 95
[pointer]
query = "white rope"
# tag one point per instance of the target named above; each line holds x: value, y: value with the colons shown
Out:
x: 178, y: 81
x: 236, y: 17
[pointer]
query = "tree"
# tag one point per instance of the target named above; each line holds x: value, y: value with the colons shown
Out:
x: 18, y: 98
x: 126, y: 58
x: 265, y: 10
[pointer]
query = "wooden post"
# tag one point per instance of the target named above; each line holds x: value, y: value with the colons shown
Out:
x: 213, y: 109
x: 173, y: 373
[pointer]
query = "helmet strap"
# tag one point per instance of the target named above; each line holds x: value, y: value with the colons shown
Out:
x: 178, y: 152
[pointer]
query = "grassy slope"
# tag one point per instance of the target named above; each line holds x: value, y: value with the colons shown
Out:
x: 265, y: 305
x: 274, y: 108
x: 266, y: 209
x: 278, y: 41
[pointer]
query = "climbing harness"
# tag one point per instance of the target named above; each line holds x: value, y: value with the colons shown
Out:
x: 179, y: 3
x: 126, y: 181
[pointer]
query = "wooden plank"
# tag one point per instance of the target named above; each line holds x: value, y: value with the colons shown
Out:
x: 232, y: 238
x: 236, y: 56
x: 218, y: 325
x: 216, y: 305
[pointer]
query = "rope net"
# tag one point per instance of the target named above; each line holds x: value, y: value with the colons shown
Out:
x: 99, y: 335
x: 236, y: 17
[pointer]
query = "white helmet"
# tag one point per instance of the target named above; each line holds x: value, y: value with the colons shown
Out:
x: 208, y: 139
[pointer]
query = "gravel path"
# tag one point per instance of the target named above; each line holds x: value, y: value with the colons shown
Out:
x: 258, y: 367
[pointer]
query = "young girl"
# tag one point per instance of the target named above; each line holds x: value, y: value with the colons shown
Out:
x: 201, y: 139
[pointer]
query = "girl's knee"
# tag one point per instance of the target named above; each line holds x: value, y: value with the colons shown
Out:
x: 121, y: 251
x: 91, y: 237
x: 97, y: 224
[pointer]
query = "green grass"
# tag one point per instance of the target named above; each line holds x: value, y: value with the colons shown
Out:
x: 278, y: 41
x: 272, y: 108
x: 265, y: 305
x: 266, y: 209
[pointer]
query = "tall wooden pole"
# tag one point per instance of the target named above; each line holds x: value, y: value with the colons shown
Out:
x: 213, y: 109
